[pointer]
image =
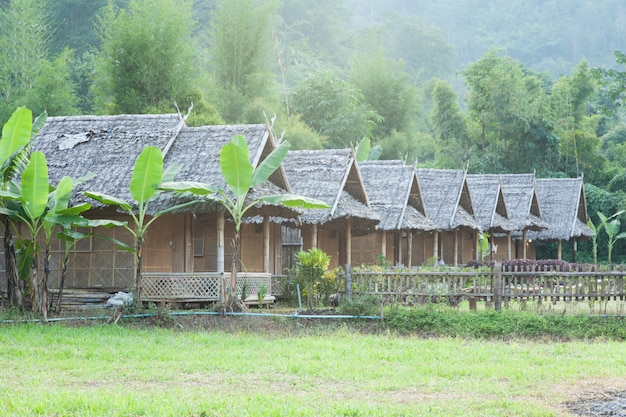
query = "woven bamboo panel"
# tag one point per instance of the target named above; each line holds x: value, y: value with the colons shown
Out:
x: 253, y: 282
x: 166, y: 286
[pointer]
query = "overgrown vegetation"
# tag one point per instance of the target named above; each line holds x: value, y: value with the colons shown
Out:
x: 448, y: 322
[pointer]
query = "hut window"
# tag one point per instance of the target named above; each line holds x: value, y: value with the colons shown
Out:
x: 198, y: 239
x: 198, y: 247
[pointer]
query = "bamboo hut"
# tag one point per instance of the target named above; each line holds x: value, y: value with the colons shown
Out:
x: 185, y: 242
x: 564, y: 209
x: 395, y: 196
x: 491, y: 212
x: 331, y: 176
x: 448, y: 203
x: 520, y: 195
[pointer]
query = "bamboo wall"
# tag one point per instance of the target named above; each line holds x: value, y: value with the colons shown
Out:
x: 365, y: 248
x: 94, y: 261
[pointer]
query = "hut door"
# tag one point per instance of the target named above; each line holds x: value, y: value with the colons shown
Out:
x: 177, y: 230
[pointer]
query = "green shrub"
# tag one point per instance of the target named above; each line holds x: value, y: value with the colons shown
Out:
x: 310, y: 269
x: 360, y: 305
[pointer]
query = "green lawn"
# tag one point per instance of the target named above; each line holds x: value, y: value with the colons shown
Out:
x: 126, y: 370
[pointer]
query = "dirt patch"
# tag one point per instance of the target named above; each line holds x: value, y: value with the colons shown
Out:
x: 596, y: 397
x: 608, y: 404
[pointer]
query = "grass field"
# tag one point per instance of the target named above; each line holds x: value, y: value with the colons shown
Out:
x: 131, y: 370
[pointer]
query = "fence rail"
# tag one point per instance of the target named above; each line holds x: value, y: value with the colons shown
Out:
x: 488, y: 284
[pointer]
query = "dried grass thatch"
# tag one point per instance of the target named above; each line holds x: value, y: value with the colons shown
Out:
x: 331, y: 176
x: 109, y: 145
x: 394, y: 194
x: 447, y: 199
x: 489, y: 204
x: 564, y: 209
x: 521, y: 200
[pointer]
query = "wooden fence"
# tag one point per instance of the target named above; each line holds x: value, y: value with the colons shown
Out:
x: 487, y: 284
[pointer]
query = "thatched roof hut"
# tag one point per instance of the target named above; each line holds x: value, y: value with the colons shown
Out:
x: 332, y: 176
x: 394, y: 194
x: 109, y: 145
x: 197, y: 151
x: 489, y: 204
x: 564, y: 209
x: 447, y: 198
x: 521, y: 200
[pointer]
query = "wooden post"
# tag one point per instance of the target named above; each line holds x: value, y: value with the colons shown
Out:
x: 188, y: 242
x: 383, y: 244
x: 524, y: 244
x: 266, y: 244
x: 559, y: 250
x: 314, y: 235
x: 348, y: 283
x: 349, y: 241
x: 409, y: 238
x: 400, y: 259
x: 220, y: 242
x: 508, y: 245
x: 456, y: 247
x: 497, y: 285
x: 436, y: 246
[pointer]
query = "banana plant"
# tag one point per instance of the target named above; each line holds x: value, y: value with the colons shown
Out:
x: 594, y: 239
x: 148, y: 174
x: 366, y: 152
x: 17, y: 134
x: 241, y: 177
x: 28, y: 205
x: 483, y: 245
x: 611, y: 227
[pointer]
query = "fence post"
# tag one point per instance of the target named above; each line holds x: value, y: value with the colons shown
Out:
x: 497, y: 285
x: 348, y: 270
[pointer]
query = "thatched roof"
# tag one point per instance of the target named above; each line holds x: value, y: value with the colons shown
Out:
x: 489, y: 204
x: 104, y: 145
x: 521, y: 200
x: 564, y: 209
x: 109, y: 145
x: 447, y: 198
x: 332, y: 176
x: 394, y: 194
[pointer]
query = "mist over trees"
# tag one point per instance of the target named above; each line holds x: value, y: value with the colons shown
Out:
x: 504, y: 86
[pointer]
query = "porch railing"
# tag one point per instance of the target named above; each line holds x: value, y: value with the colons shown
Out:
x: 201, y: 286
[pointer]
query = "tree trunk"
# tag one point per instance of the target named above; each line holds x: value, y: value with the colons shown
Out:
x: 39, y: 290
x: 231, y: 301
x: 66, y: 261
x: 15, y: 294
x: 138, y: 281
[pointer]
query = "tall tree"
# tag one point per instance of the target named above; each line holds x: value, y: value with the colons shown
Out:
x: 507, y: 104
x: 241, y: 55
x: 28, y: 75
x: 147, y: 56
x: 334, y: 109
x: 580, y: 145
x: 449, y: 126
x: 385, y: 86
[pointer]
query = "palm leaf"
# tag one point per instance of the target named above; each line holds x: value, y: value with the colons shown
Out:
x: 269, y: 165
